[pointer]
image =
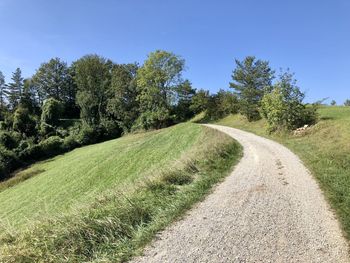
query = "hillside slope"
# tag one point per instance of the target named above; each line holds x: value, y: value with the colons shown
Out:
x: 74, y: 178
x: 325, y: 150
x: 106, y: 201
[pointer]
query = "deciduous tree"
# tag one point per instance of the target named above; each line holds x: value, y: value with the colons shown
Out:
x: 157, y: 80
x: 123, y: 105
x: 93, y: 77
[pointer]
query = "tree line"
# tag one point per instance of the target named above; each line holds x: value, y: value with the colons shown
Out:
x: 63, y: 106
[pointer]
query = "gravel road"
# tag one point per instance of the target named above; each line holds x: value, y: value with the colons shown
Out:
x: 270, y: 209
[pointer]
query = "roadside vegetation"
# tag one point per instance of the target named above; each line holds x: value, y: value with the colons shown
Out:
x: 274, y: 108
x: 323, y: 147
x: 105, y: 202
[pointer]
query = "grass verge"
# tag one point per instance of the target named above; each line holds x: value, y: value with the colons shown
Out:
x: 324, y: 149
x: 118, y: 224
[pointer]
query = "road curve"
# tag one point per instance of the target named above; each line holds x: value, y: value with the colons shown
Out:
x: 270, y: 209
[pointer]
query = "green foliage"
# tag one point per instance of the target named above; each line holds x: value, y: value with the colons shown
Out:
x: 200, y: 101
x: 51, y: 146
x: 221, y: 104
x: 123, y: 106
x: 51, y: 112
x: 24, y: 122
x: 53, y: 80
x: 283, y: 107
x: 2, y: 90
x: 251, y: 79
x: 87, y: 135
x: 9, y: 140
x: 29, y: 99
x: 8, y: 161
x: 347, y: 103
x: 185, y: 94
x: 93, y: 77
x: 15, y: 89
x: 157, y: 80
x: 333, y: 103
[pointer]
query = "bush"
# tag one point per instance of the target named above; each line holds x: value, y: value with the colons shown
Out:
x: 70, y: 143
x: 283, y: 107
x: 8, y: 162
x: 51, y: 111
x: 51, y: 146
x: 23, y: 122
x: 9, y: 140
x: 88, y: 135
x: 47, y: 130
x: 286, y: 115
x: 221, y: 104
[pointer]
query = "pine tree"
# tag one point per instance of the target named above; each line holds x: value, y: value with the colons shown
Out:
x: 2, y: 90
x: 15, y: 89
x: 251, y: 79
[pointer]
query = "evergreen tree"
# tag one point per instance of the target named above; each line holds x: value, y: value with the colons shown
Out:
x: 2, y: 90
x: 251, y: 79
x: 200, y: 101
x: 53, y: 80
x: 28, y: 99
x: 185, y: 94
x: 15, y: 89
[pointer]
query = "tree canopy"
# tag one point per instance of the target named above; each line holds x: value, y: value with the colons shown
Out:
x: 251, y: 79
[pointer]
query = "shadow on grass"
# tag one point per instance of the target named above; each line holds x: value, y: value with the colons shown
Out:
x: 20, y: 177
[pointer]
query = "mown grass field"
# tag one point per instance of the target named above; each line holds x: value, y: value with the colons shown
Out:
x: 104, y: 202
x: 325, y: 150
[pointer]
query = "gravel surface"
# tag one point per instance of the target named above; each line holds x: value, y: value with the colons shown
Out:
x: 270, y: 209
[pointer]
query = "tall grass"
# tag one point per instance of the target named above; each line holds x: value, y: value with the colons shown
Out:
x: 118, y: 223
x: 325, y: 150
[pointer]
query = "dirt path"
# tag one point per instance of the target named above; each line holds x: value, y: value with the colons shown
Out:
x: 269, y: 209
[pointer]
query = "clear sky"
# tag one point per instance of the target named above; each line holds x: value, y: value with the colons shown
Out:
x: 311, y: 37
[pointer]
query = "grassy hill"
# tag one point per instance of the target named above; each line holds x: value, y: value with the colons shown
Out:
x: 324, y: 148
x: 104, y: 202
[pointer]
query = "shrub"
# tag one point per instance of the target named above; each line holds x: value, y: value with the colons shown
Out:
x: 51, y: 111
x: 283, y: 107
x: 23, y: 122
x: 8, y: 162
x: 221, y: 104
x: 47, y: 130
x: 9, y: 140
x: 347, y: 103
x: 70, y: 142
x: 87, y: 135
x: 51, y: 146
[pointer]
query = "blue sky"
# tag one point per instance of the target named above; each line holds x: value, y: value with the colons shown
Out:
x: 310, y: 37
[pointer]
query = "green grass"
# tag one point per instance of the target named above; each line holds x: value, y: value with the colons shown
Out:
x: 325, y: 150
x: 76, y: 177
x: 104, y: 202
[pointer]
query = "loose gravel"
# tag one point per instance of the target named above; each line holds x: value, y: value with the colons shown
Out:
x: 270, y: 209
